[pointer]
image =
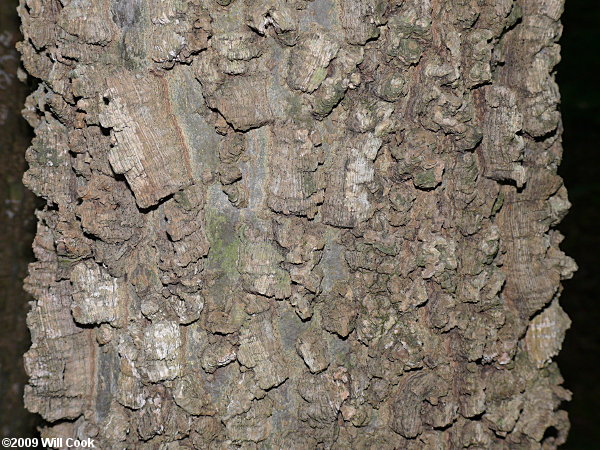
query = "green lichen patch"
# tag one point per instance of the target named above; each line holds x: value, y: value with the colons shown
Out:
x: 224, y: 243
x: 426, y: 179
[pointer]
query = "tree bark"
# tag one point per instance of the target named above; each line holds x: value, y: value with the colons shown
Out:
x: 299, y: 224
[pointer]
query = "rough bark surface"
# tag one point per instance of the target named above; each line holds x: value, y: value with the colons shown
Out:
x: 296, y: 224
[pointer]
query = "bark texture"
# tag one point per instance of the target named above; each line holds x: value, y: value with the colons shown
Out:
x: 296, y: 224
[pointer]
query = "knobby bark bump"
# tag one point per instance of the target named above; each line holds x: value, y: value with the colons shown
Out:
x: 296, y: 224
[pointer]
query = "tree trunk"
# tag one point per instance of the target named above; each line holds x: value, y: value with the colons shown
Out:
x: 301, y: 224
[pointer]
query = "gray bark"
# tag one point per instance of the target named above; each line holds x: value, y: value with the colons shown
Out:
x: 296, y: 224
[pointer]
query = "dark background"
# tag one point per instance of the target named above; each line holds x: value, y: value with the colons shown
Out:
x: 579, y: 80
x: 17, y: 224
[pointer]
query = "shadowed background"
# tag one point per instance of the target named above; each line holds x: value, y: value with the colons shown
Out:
x: 17, y: 224
x: 577, y: 77
x: 578, y: 81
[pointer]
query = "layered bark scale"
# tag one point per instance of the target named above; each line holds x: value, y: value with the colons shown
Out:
x: 301, y: 224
